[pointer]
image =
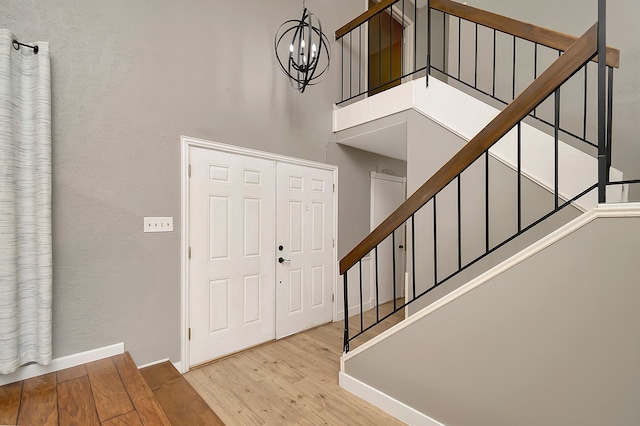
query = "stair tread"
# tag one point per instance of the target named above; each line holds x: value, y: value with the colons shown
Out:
x: 107, y: 391
x: 179, y: 400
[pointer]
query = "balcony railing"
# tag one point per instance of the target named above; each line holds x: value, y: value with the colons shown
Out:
x: 470, y: 169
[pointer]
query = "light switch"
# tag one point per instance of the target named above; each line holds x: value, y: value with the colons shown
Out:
x: 158, y: 224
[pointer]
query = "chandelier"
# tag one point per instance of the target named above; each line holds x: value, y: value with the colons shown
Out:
x: 305, y: 59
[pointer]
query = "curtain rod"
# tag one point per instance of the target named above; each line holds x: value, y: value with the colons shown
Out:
x: 17, y: 44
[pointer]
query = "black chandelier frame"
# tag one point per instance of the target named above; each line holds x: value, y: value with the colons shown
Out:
x: 302, y: 64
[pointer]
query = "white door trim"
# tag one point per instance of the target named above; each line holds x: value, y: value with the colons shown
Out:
x: 187, y: 142
x: 390, y: 178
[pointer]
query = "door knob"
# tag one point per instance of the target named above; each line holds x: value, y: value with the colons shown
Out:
x: 282, y: 260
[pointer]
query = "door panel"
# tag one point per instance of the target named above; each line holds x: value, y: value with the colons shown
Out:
x: 232, y: 238
x: 234, y: 301
x: 305, y: 230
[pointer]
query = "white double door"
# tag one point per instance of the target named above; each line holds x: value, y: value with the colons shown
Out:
x: 261, y: 240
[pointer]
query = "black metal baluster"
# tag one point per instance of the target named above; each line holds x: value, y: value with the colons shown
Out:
x: 486, y: 201
x: 584, y: 116
x: 475, y: 58
x: 402, y: 70
x: 380, y: 49
x: 390, y: 45
x: 393, y: 255
x: 350, y: 61
x: 361, y: 313
x: 361, y: 54
x: 435, y: 243
x: 342, y: 68
x: 535, y: 60
x: 459, y: 223
x: 444, y: 43
x: 556, y: 137
x: 429, y: 37
x: 602, y: 101
x: 459, y: 45
x: 415, y: 37
x: 535, y: 67
x: 413, y: 254
x: 519, y: 177
x: 493, y: 91
x: 377, y: 292
x: 513, y: 89
x: 609, y: 121
x: 346, y: 312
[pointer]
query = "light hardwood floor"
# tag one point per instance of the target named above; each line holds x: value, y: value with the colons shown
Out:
x: 290, y: 381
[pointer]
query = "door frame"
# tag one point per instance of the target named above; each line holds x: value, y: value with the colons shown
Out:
x: 407, y: 48
x: 186, y: 143
x: 397, y: 179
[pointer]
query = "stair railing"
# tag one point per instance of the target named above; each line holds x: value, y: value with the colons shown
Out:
x: 511, y: 40
x: 373, y: 32
x: 475, y: 49
x: 421, y: 208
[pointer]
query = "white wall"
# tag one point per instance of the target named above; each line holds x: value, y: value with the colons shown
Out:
x: 128, y: 79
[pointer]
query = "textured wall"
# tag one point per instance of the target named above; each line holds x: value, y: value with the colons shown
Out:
x: 550, y: 341
x: 355, y: 189
x: 128, y: 79
x: 434, y: 145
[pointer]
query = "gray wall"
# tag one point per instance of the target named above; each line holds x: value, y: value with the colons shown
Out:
x: 623, y: 32
x: 354, y: 198
x: 550, y: 341
x: 128, y: 79
x: 430, y: 146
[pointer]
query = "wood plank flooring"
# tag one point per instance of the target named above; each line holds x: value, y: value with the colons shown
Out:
x: 181, y: 403
x: 290, y: 381
x: 110, y: 392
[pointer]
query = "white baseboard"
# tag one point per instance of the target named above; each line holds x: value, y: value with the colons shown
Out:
x: 386, y: 403
x: 58, y: 364
x: 177, y: 365
x: 160, y: 361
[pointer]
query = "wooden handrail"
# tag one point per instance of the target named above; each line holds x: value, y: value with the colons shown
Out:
x: 532, y: 33
x: 576, y: 56
x: 363, y: 17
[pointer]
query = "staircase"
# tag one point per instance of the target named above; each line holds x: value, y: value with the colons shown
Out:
x: 110, y: 391
x: 182, y: 404
x: 543, y: 338
x: 479, y: 249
